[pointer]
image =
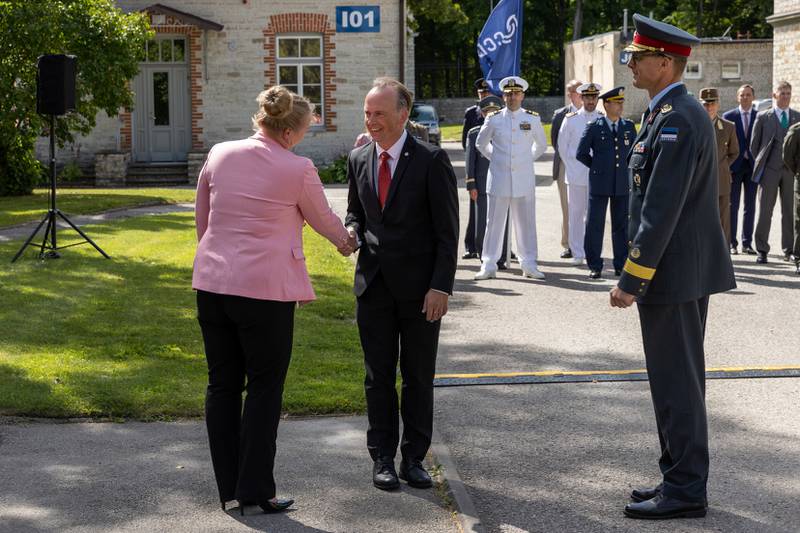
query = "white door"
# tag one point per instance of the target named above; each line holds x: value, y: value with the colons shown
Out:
x: 161, y: 117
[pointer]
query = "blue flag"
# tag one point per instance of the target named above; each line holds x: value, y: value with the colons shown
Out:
x: 500, y: 43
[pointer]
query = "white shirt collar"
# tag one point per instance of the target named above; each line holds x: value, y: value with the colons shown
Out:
x: 659, y: 96
x: 779, y: 110
x: 395, y: 149
x: 608, y: 121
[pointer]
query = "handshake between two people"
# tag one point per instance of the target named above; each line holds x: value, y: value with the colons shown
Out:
x: 348, y: 245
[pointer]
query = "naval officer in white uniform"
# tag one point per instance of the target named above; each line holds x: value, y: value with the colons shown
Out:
x: 511, y: 139
x: 577, y: 174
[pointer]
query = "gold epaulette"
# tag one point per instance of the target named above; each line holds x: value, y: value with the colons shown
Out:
x: 571, y: 114
x: 534, y: 113
x: 493, y: 113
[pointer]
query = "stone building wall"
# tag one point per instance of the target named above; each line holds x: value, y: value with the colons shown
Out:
x: 786, y: 36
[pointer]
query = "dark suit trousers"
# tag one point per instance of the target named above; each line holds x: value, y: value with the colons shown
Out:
x: 480, y: 228
x: 471, y: 238
x: 775, y: 185
x: 741, y: 180
x: 250, y: 338
x: 673, y: 347
x: 392, y: 329
x: 595, y: 227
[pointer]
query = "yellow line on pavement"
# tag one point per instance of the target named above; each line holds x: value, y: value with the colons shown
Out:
x: 604, y: 372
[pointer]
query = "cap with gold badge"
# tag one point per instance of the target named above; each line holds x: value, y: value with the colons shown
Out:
x: 617, y: 94
x: 655, y: 36
x: 490, y: 103
x: 512, y: 84
x: 709, y: 95
x: 589, y: 89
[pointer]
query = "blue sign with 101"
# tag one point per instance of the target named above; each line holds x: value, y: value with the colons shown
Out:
x: 361, y: 19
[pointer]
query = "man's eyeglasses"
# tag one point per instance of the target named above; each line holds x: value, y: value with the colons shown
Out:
x: 634, y: 57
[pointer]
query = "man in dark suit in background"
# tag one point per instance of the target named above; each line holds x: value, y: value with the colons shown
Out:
x: 677, y: 258
x: 774, y: 179
x: 403, y: 207
x: 473, y: 117
x: 575, y: 103
x: 743, y: 117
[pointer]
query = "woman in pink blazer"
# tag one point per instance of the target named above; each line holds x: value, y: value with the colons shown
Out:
x: 253, y: 197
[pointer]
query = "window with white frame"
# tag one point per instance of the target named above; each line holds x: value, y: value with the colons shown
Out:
x: 694, y: 70
x: 731, y: 70
x: 299, y: 65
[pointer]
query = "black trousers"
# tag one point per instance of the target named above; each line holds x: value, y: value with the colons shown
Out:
x: 252, y: 339
x: 390, y: 330
x: 741, y: 180
x: 673, y: 337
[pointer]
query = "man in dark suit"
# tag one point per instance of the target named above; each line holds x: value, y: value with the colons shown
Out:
x: 791, y: 157
x: 472, y: 118
x: 403, y: 207
x: 677, y: 258
x: 604, y: 148
x: 774, y: 179
x: 575, y: 103
x: 743, y: 118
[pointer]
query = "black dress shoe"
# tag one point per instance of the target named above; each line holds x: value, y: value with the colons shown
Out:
x: 617, y: 271
x: 640, y: 495
x: 415, y: 475
x: 787, y: 257
x: 748, y: 250
x: 566, y: 254
x: 594, y: 274
x: 470, y: 255
x: 384, y: 476
x: 501, y: 266
x: 663, y: 507
x: 797, y: 268
x: 762, y: 258
x: 268, y: 506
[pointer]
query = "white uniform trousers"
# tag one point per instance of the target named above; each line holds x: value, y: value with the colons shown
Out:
x: 578, y: 200
x: 523, y: 218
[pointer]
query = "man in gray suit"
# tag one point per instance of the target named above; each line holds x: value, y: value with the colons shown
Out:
x: 773, y: 177
x: 558, y: 165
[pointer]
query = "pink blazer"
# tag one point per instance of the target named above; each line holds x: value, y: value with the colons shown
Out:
x: 252, y: 198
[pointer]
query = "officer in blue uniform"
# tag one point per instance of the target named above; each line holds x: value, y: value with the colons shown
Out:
x: 604, y: 148
x: 677, y: 258
x: 472, y: 118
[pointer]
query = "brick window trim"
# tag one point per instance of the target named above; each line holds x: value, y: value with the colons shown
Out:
x: 304, y: 23
x: 173, y: 26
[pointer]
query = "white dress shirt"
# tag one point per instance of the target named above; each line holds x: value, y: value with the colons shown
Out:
x: 394, y: 157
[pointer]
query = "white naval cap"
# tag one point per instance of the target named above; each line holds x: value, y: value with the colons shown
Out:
x: 589, y: 89
x: 513, y: 83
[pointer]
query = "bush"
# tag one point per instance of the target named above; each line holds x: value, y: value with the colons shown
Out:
x: 71, y: 172
x: 20, y: 171
x: 336, y: 172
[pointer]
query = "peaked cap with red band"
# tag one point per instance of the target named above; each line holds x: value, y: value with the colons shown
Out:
x: 654, y: 36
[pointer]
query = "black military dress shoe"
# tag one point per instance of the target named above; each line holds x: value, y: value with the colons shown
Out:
x: 797, y: 268
x: 384, y: 476
x: 748, y: 250
x: 415, y: 475
x: 617, y: 271
x: 594, y: 274
x: 787, y: 257
x: 663, y: 507
x: 501, y: 265
x: 470, y: 255
x: 762, y: 258
x: 566, y: 254
x: 640, y: 495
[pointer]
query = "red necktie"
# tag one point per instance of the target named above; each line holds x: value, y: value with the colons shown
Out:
x: 384, y: 178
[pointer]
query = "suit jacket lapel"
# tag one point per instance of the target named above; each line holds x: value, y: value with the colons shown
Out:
x: 369, y: 176
x: 400, y: 169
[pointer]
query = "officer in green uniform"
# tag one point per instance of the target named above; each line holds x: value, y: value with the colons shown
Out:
x: 791, y: 158
x: 678, y: 256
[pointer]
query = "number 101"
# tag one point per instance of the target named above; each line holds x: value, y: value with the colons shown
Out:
x: 356, y: 19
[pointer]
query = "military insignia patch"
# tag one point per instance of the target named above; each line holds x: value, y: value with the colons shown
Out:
x: 635, y: 253
x: 668, y: 135
x: 640, y: 148
x: 525, y: 126
x: 666, y: 108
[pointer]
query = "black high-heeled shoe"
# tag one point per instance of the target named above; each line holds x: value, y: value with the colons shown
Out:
x: 268, y: 506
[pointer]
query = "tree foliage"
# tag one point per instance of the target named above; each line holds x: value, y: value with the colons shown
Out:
x: 445, y: 46
x: 108, y: 44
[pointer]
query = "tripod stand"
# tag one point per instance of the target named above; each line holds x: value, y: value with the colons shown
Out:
x: 50, y: 219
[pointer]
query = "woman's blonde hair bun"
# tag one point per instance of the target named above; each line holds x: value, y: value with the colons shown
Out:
x: 276, y: 102
x: 279, y: 109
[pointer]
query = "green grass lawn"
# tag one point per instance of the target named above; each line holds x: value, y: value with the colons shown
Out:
x: 20, y: 209
x: 86, y: 336
x: 452, y: 132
